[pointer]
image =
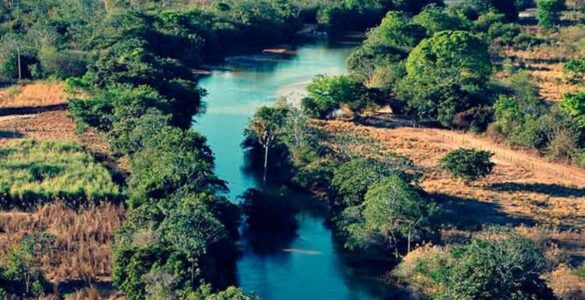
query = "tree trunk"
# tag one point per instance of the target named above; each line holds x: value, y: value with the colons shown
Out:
x: 265, y: 162
x: 409, y: 239
x: 19, y: 64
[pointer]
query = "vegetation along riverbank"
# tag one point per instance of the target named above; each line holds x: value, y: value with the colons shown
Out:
x: 452, y: 152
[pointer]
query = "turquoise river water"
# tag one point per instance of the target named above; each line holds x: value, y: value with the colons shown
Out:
x: 306, y: 264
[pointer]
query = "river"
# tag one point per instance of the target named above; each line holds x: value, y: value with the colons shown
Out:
x: 306, y: 264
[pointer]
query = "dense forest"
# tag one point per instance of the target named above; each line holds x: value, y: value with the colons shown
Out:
x: 128, y: 68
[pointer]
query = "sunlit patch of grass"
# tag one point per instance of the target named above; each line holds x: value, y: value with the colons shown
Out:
x: 33, y: 172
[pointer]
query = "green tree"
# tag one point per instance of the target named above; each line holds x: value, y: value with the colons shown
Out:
x: 327, y: 93
x: 574, y: 106
x: 22, y: 265
x: 574, y: 71
x: 468, y: 164
x: 506, y: 7
x: 396, y: 209
x: 456, y: 56
x: 170, y: 161
x: 397, y: 31
x: 129, y: 135
x: 549, y: 13
x: 352, y: 179
x: 502, y: 268
x: 446, y: 74
x: 191, y: 230
x: 265, y: 128
x: 435, y: 19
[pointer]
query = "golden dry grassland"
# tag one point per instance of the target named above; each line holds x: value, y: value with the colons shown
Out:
x: 36, y: 94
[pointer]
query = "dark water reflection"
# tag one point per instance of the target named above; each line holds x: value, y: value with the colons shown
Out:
x: 306, y: 262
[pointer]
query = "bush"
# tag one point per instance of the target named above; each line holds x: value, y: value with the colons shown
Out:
x: 502, y: 267
x: 116, y: 104
x: 468, y: 164
x: 20, y: 268
x: 574, y: 71
x: 352, y: 179
x: 326, y: 94
x: 506, y: 269
x: 63, y: 64
x: 549, y: 12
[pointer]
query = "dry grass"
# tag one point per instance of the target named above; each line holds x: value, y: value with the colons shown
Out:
x: 35, y: 94
x: 566, y: 284
x: 548, y: 75
x: 545, y: 62
x: 524, y: 188
x: 83, y: 238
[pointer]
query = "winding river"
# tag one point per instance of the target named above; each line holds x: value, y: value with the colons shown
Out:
x: 305, y: 264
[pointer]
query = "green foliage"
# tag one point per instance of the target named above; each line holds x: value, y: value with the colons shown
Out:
x: 580, y: 271
x: 173, y: 246
x: 36, y: 172
x: 327, y: 93
x: 499, y: 266
x: 435, y: 19
x: 397, y: 31
x: 415, y: 6
x: 508, y: 268
x: 392, y: 211
x: 62, y: 64
x: 573, y: 105
x: 574, y: 71
x: 456, y: 56
x: 549, y: 13
x: 351, y: 180
x: 129, y: 135
x: 444, y: 75
x: 231, y: 293
x: 365, y: 13
x: 116, y: 104
x: 171, y: 160
x: 468, y: 164
x: 506, y: 7
x: 20, y: 268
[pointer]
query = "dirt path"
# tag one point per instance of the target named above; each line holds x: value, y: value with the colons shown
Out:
x: 555, y: 172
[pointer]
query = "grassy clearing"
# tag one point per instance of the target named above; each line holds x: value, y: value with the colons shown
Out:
x: 33, y: 172
x: 36, y: 94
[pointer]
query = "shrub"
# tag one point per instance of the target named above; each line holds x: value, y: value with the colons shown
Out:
x: 63, y: 64
x: 574, y: 71
x: 468, y: 164
x: 509, y: 268
x: 327, y: 93
x: 352, y: 179
x: 502, y: 267
x: 562, y: 147
x: 549, y: 12
x: 21, y: 267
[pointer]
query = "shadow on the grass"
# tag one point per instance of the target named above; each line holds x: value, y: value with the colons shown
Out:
x: 471, y: 214
x: 553, y: 190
